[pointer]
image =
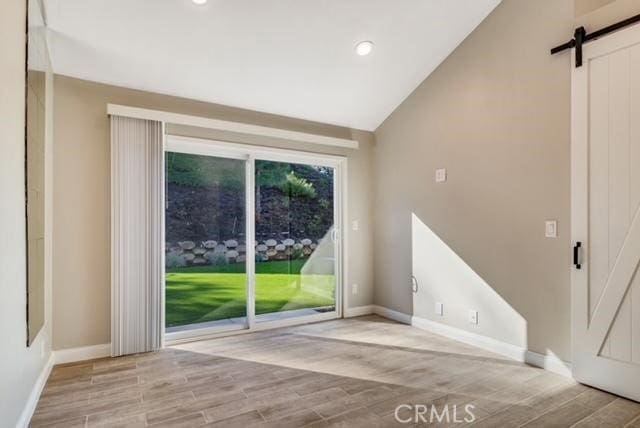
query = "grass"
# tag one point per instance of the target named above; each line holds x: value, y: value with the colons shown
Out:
x: 200, y: 294
x: 280, y: 267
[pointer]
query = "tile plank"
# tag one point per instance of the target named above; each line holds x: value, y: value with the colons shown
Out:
x: 348, y: 372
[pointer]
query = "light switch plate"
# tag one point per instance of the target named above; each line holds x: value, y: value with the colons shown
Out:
x: 439, y: 308
x: 551, y: 229
x: 441, y: 175
x: 355, y: 225
x: 473, y: 316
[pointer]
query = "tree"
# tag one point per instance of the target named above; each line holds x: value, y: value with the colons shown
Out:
x: 195, y: 170
x: 298, y: 187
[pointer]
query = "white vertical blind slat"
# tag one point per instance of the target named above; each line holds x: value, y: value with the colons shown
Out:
x: 136, y: 221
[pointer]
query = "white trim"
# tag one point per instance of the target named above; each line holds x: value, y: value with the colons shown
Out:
x: 250, y: 251
x: 358, y: 311
x: 204, y: 147
x: 173, y: 339
x: 72, y: 355
x: 34, y: 396
x: 499, y: 347
x: 340, y: 192
x: 288, y: 322
x: 225, y: 125
x: 163, y: 280
x: 392, y: 315
x: 211, y: 147
x: 549, y: 362
x: 62, y: 356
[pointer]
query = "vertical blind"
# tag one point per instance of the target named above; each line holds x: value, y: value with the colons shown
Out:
x: 136, y: 235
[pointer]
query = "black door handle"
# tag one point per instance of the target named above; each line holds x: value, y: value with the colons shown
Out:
x: 576, y: 254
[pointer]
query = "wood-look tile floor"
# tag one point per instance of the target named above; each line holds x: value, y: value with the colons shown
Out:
x: 347, y: 373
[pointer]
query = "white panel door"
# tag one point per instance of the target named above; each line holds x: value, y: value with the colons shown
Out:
x: 605, y: 214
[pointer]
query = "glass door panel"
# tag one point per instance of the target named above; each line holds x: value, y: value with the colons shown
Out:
x: 295, y: 247
x: 205, y: 248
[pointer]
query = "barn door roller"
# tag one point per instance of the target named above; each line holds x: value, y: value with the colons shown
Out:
x: 581, y: 37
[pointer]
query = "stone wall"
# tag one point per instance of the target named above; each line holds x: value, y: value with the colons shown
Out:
x: 212, y: 253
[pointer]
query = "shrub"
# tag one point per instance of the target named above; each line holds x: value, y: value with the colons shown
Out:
x: 175, y: 259
x: 297, y: 253
x: 217, y: 257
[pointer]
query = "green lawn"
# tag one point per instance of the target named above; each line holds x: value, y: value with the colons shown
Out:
x: 200, y: 294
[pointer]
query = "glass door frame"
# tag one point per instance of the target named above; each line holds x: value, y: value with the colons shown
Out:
x: 251, y: 153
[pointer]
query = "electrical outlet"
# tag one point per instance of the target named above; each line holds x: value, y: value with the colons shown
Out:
x: 473, y: 316
x: 439, y: 308
x: 354, y: 289
x: 441, y: 175
x: 355, y: 225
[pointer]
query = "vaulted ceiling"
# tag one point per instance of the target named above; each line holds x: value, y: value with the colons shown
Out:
x: 289, y: 57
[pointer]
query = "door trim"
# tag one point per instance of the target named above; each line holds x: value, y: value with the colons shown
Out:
x: 225, y: 125
x: 251, y: 153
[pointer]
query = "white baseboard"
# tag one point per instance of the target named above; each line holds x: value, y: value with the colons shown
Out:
x: 474, y: 339
x: 58, y: 357
x: 549, y: 362
x: 73, y: 355
x: 358, y: 311
x: 391, y: 314
x: 517, y: 353
x: 34, y: 396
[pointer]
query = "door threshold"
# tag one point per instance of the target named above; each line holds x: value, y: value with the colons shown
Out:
x: 177, y: 338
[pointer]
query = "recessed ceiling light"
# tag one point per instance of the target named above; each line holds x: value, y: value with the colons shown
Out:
x: 364, y: 48
x: 199, y: 2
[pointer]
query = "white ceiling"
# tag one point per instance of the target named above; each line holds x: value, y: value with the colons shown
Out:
x: 289, y: 57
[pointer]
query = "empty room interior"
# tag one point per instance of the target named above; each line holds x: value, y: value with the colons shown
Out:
x: 320, y: 213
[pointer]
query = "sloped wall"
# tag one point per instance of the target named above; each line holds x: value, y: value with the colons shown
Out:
x: 496, y: 114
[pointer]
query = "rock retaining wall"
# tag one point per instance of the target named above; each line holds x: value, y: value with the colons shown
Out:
x: 204, y: 253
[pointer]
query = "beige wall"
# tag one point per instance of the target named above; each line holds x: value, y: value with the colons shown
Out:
x: 496, y: 114
x: 20, y: 366
x: 586, y: 6
x: 82, y: 210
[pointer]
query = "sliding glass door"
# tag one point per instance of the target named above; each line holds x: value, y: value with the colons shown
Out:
x: 205, y: 245
x: 252, y: 237
x: 294, y: 229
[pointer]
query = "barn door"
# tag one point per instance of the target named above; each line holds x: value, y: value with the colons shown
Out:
x: 605, y: 214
